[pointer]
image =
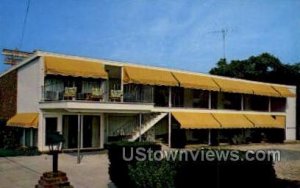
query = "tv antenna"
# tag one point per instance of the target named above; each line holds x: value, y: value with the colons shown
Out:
x: 223, y: 32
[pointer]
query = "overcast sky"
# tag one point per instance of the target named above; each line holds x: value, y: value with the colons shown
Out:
x: 169, y: 33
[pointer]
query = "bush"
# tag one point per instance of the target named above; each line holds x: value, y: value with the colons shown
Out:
x: 119, y: 168
x: 187, y: 173
x: 158, y: 174
x: 21, y: 151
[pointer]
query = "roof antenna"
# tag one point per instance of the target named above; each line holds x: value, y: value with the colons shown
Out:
x: 224, y: 33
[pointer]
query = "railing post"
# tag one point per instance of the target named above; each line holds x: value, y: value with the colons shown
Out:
x: 170, y: 129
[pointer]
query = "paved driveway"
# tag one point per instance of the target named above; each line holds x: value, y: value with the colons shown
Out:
x: 25, y: 172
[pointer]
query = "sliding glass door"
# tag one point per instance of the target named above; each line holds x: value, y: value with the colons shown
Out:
x: 91, y: 131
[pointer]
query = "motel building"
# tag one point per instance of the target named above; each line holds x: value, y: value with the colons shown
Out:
x: 92, y: 102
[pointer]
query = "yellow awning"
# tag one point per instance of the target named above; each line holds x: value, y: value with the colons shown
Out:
x: 233, y: 86
x: 193, y: 120
x: 196, y: 81
x: 264, y: 121
x: 237, y: 86
x: 263, y: 89
x: 74, y: 67
x: 147, y: 76
x: 280, y: 119
x: 24, y: 120
x: 233, y: 121
x: 284, y: 91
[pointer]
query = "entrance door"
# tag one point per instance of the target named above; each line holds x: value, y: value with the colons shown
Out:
x: 51, y: 126
x: 91, y: 131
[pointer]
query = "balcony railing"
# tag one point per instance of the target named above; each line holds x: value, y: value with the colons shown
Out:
x: 96, y: 95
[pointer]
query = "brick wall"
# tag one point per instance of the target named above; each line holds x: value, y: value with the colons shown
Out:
x: 8, y: 95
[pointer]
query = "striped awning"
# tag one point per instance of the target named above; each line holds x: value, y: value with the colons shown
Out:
x: 194, y: 120
x: 148, y: 76
x: 265, y: 121
x: 233, y: 121
x: 196, y: 81
x: 74, y: 67
x: 24, y: 120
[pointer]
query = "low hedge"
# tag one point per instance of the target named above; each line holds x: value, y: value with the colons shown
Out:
x: 187, y: 173
x: 21, y: 151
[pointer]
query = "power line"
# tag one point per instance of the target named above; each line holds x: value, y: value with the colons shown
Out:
x: 24, y: 24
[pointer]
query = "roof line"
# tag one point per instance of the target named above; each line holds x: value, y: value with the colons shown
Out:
x: 38, y: 53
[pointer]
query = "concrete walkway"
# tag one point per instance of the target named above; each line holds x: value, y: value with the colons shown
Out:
x: 25, y: 172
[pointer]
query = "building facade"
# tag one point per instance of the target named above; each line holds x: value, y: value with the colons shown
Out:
x: 93, y: 102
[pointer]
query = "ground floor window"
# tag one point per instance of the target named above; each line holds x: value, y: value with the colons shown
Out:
x: 89, y: 131
x: 29, y: 137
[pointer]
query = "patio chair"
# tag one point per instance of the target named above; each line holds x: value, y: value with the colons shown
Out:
x: 115, y: 95
x: 70, y: 93
x: 97, y: 94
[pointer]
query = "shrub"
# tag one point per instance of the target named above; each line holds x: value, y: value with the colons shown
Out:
x: 21, y: 151
x: 158, y: 174
x: 119, y: 168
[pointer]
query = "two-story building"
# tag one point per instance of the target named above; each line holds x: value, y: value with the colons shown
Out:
x: 93, y: 101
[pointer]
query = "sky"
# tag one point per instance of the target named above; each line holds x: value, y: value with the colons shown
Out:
x: 181, y: 34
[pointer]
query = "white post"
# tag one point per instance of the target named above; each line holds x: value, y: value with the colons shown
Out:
x: 24, y: 137
x: 209, y: 100
x: 170, y: 129
x: 122, y: 86
x: 78, y: 140
x: 170, y: 96
x: 140, y: 127
x: 81, y: 131
x: 31, y: 136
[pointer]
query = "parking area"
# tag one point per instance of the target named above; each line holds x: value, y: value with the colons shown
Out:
x: 25, y: 172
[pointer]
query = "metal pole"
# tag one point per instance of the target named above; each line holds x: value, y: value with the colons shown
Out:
x: 170, y: 97
x: 78, y: 139
x: 170, y: 129
x: 140, y: 127
x: 55, y: 162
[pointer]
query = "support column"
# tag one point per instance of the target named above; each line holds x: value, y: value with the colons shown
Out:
x: 209, y: 100
x: 209, y: 137
x: 140, y: 127
x: 31, y: 136
x: 24, y: 137
x: 170, y: 129
x: 170, y: 96
x: 78, y: 138
x: 122, y: 86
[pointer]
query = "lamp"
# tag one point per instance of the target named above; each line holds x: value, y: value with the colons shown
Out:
x: 55, y: 146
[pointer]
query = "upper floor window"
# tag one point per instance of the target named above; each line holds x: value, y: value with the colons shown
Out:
x: 256, y: 103
x: 200, y: 98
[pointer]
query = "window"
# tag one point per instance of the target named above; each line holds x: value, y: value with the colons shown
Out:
x: 226, y: 101
x: 278, y: 104
x: 161, y: 96
x: 256, y: 103
x: 200, y: 98
x: 177, y: 97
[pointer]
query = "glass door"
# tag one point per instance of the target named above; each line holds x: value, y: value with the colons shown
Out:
x: 91, y: 132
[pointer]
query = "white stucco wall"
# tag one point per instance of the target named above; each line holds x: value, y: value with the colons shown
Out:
x: 29, y: 87
x: 290, y: 130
